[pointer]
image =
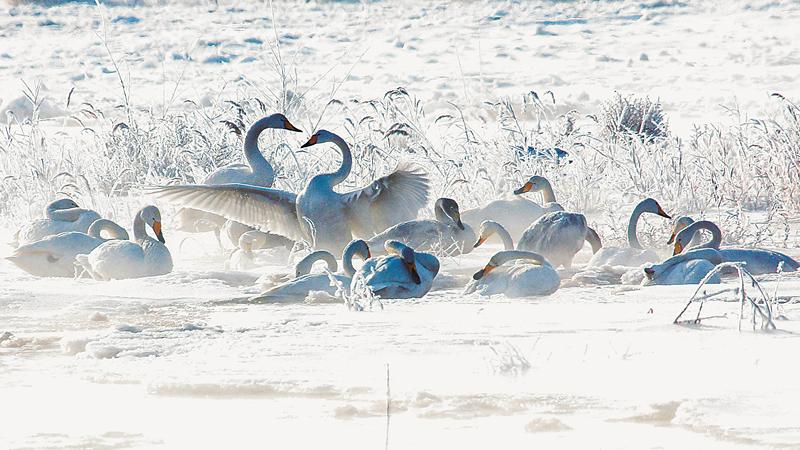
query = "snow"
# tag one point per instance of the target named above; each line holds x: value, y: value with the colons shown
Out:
x: 184, y: 361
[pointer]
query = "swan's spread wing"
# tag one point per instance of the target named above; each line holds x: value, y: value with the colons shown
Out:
x: 261, y: 207
x: 389, y: 200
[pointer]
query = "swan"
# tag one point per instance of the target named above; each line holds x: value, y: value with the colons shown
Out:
x: 516, y: 212
x: 305, y: 282
x: 490, y: 227
x: 403, y: 273
x: 54, y: 256
x: 142, y: 257
x: 633, y: 255
x: 559, y: 236
x: 687, y: 268
x: 256, y: 248
x: 325, y: 218
x: 60, y: 216
x: 759, y: 261
x: 530, y: 274
x: 447, y: 233
x: 257, y: 172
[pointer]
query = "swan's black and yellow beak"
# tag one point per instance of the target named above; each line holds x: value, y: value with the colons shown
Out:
x: 312, y: 141
x: 412, y: 269
x: 678, y: 248
x: 671, y: 239
x: 649, y: 272
x: 288, y: 126
x: 663, y: 213
x: 481, y: 240
x: 483, y: 272
x: 157, y: 231
x: 525, y: 188
x: 457, y: 217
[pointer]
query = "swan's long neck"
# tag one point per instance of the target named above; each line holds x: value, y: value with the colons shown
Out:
x: 304, y: 266
x: 709, y: 254
x: 347, y: 258
x: 440, y: 215
x: 114, y: 230
x: 508, y: 242
x: 633, y: 223
x: 513, y: 255
x: 139, y: 231
x: 548, y: 196
x: 65, y: 215
x: 347, y: 162
x: 255, y: 159
x: 716, y: 234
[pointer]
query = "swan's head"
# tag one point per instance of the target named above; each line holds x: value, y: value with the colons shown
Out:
x: 252, y: 240
x: 64, y: 203
x: 450, y: 208
x: 407, y: 254
x: 651, y: 206
x: 682, y: 239
x: 152, y: 217
x: 490, y: 266
x: 320, y: 137
x: 535, y: 184
x: 488, y: 228
x: 649, y: 272
x: 680, y: 224
x: 280, y: 122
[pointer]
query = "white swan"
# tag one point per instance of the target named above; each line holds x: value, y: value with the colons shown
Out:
x: 60, y: 216
x: 142, y: 257
x: 54, y: 256
x: 446, y: 234
x: 559, y: 236
x: 517, y: 212
x: 305, y: 282
x: 759, y: 261
x: 529, y: 275
x: 686, y: 268
x: 320, y: 215
x: 257, y: 248
x: 403, y: 273
x: 256, y: 172
x: 633, y: 255
x: 489, y: 228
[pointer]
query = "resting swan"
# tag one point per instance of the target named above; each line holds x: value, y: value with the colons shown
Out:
x: 304, y: 283
x: 633, y: 255
x: 530, y: 274
x: 759, y: 261
x: 559, y: 236
x: 319, y: 214
x: 142, y: 257
x: 687, y: 268
x: 403, y: 273
x: 517, y: 212
x: 446, y: 234
x: 257, y: 172
x: 54, y: 256
x: 256, y: 248
x: 60, y: 216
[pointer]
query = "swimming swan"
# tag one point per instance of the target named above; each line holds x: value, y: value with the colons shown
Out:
x: 142, y: 257
x: 319, y: 214
x: 633, y: 255
x: 515, y: 273
x: 403, y: 273
x: 687, y: 268
x: 54, y: 256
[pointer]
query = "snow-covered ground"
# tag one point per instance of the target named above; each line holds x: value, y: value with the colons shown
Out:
x: 171, y: 362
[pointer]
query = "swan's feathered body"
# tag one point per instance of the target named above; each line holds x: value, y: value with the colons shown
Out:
x: 142, y: 257
x: 403, y: 273
x: 758, y: 261
x: 54, y: 256
x: 318, y: 214
x: 516, y: 274
x: 686, y: 268
x: 304, y: 283
x: 61, y: 216
x: 446, y: 234
x: 559, y: 236
x: 515, y: 213
x: 633, y: 255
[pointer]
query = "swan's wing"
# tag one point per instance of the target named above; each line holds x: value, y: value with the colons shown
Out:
x: 261, y: 207
x: 389, y: 200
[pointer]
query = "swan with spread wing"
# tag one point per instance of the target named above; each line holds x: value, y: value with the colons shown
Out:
x: 320, y: 215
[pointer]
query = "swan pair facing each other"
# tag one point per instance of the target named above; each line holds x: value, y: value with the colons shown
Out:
x: 256, y: 172
x: 318, y: 214
x: 401, y: 273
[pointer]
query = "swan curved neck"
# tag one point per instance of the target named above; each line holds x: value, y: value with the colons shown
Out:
x: 65, y: 215
x: 347, y: 259
x: 716, y: 234
x: 633, y: 223
x: 347, y: 161
x: 513, y: 255
x: 505, y: 236
x: 114, y: 230
x: 440, y: 215
x: 709, y: 254
x: 593, y: 239
x: 255, y: 159
x: 548, y: 196
x: 139, y: 231
x: 304, y: 266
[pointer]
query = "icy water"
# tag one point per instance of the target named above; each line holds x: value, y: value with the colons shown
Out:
x: 168, y: 363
